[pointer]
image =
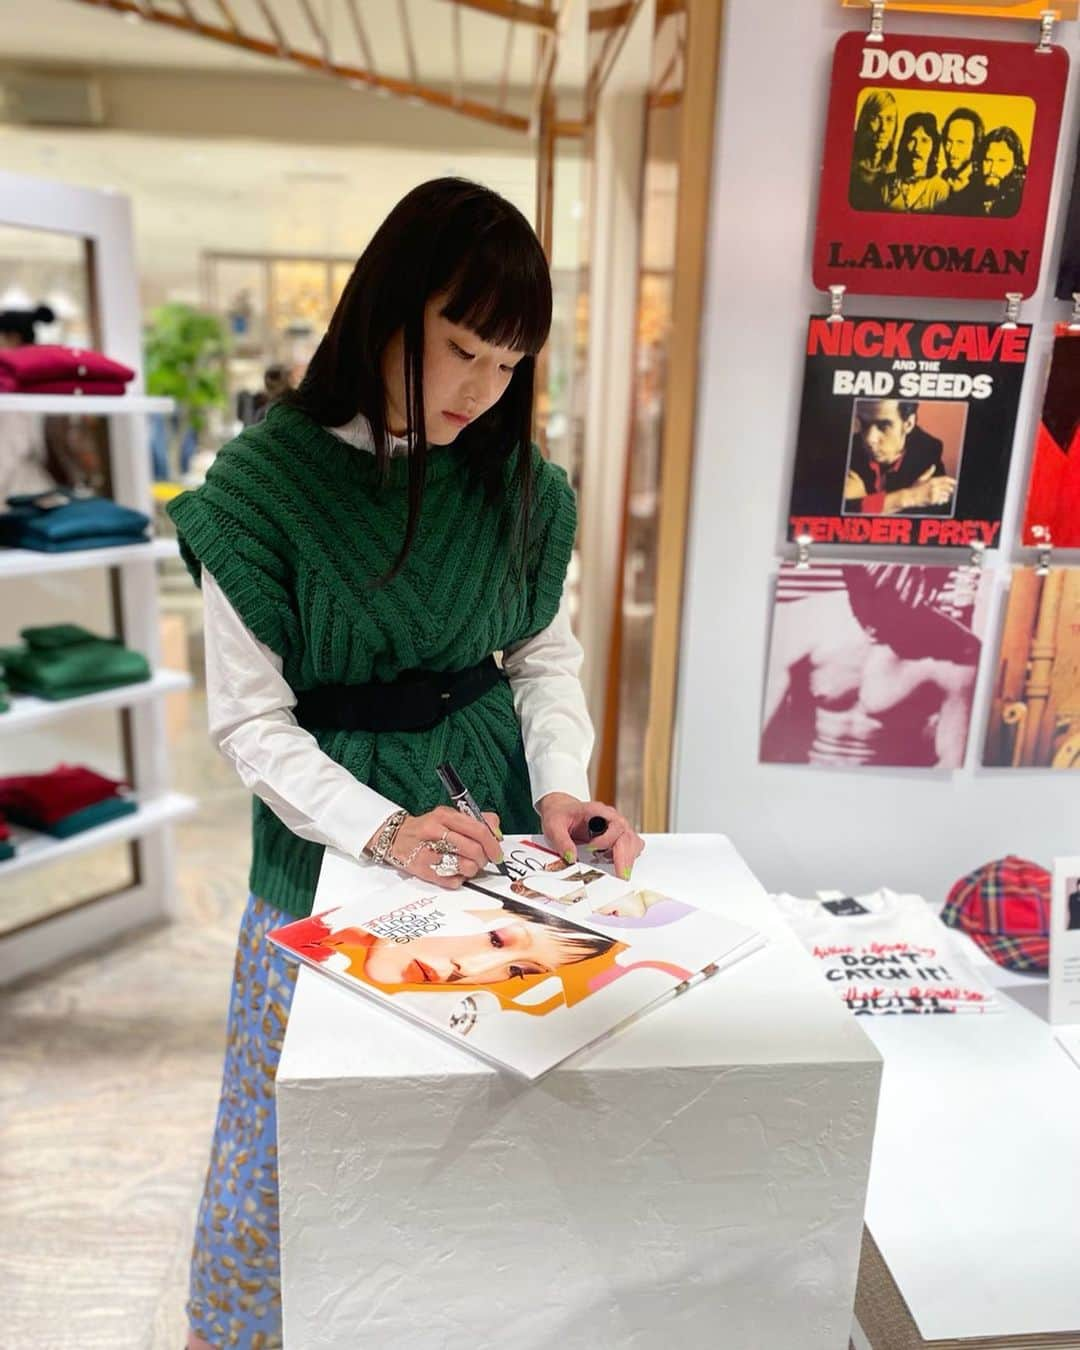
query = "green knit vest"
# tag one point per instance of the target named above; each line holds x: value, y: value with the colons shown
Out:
x: 295, y: 525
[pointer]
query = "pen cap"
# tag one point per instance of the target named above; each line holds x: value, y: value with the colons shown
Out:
x: 597, y: 825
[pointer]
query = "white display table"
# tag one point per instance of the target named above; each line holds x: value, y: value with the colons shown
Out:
x: 697, y: 1180
x: 974, y: 1203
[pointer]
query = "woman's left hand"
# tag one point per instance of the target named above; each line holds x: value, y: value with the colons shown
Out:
x: 566, y: 823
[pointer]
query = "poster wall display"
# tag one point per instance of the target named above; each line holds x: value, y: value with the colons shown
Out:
x: 1068, y: 277
x: 1065, y: 942
x: 1035, y: 712
x: 872, y: 665
x: 906, y: 431
x: 939, y: 155
x: 983, y: 9
x: 1052, y: 512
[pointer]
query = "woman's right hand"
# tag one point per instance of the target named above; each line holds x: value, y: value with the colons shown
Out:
x: 473, y: 843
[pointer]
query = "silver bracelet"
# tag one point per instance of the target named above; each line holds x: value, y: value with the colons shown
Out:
x: 405, y: 863
x: 384, y: 840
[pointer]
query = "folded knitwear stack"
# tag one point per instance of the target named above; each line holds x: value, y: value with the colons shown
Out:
x: 47, y: 369
x: 4, y: 689
x: 62, y: 521
x: 7, y: 848
x: 68, y: 800
x: 66, y: 661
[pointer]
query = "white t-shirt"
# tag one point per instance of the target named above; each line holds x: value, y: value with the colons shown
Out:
x: 895, y: 956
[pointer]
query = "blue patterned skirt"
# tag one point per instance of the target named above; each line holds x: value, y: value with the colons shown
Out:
x: 235, y: 1292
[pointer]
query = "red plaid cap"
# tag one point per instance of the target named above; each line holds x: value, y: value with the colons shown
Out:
x: 1004, y: 906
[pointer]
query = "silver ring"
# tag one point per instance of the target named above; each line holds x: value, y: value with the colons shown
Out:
x: 447, y: 866
x: 441, y: 846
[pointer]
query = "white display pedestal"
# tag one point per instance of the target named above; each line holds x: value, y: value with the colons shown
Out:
x: 697, y: 1180
x: 973, y: 1204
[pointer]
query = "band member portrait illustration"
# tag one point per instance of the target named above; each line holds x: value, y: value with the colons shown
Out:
x: 874, y: 155
x: 894, y: 465
x: 961, y: 137
x: 945, y: 162
x: 997, y: 186
x: 916, y: 185
x: 870, y: 665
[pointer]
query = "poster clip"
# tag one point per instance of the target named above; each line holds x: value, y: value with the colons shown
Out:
x: 802, y: 557
x: 1046, y: 30
x: 1074, y: 318
x: 978, y: 555
x: 1012, y: 309
x: 1042, y: 565
x: 836, y: 304
x: 877, y: 21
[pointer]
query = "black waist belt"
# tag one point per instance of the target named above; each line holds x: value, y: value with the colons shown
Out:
x: 416, y: 701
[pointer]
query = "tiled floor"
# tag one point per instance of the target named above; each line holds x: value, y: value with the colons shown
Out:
x: 110, y: 1073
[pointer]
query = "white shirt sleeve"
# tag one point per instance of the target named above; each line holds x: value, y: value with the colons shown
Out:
x: 544, y: 674
x: 249, y: 709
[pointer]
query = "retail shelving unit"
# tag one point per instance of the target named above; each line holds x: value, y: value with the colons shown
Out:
x: 103, y: 221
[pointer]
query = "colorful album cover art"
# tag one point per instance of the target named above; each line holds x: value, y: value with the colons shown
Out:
x: 1068, y: 277
x: 1035, y: 712
x: 983, y: 9
x: 906, y: 431
x: 1052, y: 512
x: 872, y: 666
x: 939, y: 155
x: 522, y: 974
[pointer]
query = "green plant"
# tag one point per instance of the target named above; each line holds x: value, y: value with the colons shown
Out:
x: 185, y: 360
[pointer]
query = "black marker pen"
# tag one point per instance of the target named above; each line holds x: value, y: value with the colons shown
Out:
x: 463, y: 800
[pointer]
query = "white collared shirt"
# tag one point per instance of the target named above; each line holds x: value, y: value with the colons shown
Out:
x: 249, y: 708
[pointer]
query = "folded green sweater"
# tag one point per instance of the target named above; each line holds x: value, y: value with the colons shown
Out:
x: 65, y: 661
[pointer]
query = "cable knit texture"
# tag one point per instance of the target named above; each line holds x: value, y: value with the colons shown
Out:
x: 295, y: 525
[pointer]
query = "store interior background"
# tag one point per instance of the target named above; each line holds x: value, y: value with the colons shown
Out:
x: 247, y: 175
x: 115, y: 1057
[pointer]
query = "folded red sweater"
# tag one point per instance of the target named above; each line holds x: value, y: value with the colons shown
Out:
x: 36, y: 365
x: 8, y: 385
x: 49, y: 797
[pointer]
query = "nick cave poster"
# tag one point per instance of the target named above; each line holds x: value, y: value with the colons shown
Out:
x: 939, y: 154
x: 906, y: 431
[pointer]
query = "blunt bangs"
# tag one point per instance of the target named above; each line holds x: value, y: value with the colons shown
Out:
x: 501, y: 289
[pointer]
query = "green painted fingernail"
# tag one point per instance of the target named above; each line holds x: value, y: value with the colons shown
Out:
x: 625, y: 874
x: 569, y: 855
x: 498, y: 832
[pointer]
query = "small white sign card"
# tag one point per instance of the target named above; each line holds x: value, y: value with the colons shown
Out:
x: 1065, y: 943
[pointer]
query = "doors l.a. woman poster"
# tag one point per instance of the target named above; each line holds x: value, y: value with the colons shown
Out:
x: 938, y: 160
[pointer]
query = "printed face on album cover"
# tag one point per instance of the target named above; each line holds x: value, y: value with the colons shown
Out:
x: 871, y: 666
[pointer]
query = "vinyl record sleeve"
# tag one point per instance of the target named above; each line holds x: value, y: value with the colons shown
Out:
x: 520, y: 980
x: 1034, y: 715
x: 939, y: 156
x: 983, y: 9
x: 1052, y: 511
x: 1068, y: 277
x: 872, y: 665
x: 906, y: 431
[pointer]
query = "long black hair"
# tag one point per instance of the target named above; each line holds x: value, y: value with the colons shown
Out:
x: 23, y: 322
x: 452, y: 237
